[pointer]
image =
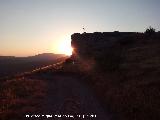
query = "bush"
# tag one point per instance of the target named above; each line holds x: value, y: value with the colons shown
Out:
x: 150, y: 31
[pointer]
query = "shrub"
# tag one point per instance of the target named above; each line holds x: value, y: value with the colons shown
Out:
x: 150, y: 31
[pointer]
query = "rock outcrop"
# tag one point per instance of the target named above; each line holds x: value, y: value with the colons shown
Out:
x: 104, y: 49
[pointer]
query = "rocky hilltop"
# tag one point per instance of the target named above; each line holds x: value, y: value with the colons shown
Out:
x: 108, y: 48
x: 124, y: 71
x: 90, y: 44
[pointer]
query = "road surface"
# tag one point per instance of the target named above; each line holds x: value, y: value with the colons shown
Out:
x: 68, y: 95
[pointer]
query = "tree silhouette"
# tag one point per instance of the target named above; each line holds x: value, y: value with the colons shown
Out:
x: 150, y: 31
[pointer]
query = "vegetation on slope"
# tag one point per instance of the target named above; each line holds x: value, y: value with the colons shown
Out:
x: 19, y: 97
x: 126, y: 77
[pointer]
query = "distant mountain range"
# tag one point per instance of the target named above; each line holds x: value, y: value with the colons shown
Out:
x: 46, y: 56
x: 10, y: 65
x: 39, y: 57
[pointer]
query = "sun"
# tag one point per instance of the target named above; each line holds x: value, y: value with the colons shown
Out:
x: 63, y: 46
x: 66, y: 49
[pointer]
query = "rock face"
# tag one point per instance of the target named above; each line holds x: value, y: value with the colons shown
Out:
x: 89, y: 44
x: 126, y: 71
x: 98, y: 47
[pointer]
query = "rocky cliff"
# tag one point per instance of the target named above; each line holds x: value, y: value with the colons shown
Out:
x: 104, y: 49
x: 124, y: 71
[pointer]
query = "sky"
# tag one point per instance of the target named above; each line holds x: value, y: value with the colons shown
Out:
x: 29, y: 27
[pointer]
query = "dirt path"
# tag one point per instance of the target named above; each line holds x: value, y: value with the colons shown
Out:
x: 67, y: 95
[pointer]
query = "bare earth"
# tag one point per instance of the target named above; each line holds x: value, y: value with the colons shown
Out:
x: 67, y: 95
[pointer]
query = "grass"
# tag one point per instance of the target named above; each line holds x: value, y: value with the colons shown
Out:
x: 19, y: 97
x: 132, y: 92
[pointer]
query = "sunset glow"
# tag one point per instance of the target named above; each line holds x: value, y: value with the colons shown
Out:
x: 67, y: 50
x: 30, y: 27
x: 63, y: 45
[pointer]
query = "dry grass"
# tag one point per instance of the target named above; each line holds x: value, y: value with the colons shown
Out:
x: 133, y: 91
x: 19, y: 97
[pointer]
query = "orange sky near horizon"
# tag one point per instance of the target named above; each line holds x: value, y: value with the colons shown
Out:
x: 60, y: 46
x: 30, y: 27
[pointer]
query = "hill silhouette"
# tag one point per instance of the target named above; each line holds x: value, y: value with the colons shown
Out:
x: 123, y: 68
x: 11, y: 65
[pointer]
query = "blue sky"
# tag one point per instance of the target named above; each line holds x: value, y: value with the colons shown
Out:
x: 29, y: 27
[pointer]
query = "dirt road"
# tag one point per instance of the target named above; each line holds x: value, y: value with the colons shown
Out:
x: 67, y: 95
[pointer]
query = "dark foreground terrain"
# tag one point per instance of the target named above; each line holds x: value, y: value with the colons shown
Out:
x: 121, y: 82
x: 50, y: 92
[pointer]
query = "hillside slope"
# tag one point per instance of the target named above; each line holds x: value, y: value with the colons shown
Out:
x: 49, y: 92
x: 124, y: 73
